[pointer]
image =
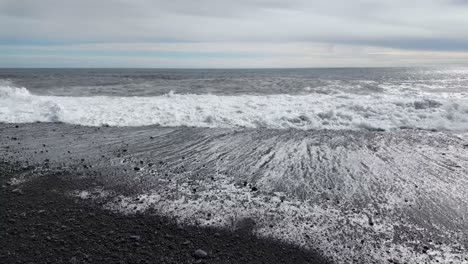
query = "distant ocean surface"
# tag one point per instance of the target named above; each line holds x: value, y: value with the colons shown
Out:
x: 333, y: 99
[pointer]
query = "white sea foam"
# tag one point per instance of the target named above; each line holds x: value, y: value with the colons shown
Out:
x: 311, y: 111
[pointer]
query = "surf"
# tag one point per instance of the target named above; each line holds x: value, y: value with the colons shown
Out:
x: 278, y: 111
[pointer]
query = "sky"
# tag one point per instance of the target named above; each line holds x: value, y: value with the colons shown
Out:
x: 233, y: 33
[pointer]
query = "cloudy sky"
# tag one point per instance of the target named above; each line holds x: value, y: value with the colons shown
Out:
x: 233, y: 33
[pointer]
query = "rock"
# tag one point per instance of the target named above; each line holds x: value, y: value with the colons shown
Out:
x: 137, y: 169
x: 135, y: 237
x: 199, y: 253
x: 254, y: 189
x: 186, y: 242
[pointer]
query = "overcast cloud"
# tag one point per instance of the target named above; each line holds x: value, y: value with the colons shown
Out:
x: 235, y: 33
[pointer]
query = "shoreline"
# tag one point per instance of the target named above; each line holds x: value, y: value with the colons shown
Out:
x: 43, y: 223
x: 353, y: 196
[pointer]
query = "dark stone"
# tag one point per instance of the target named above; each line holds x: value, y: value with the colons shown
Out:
x: 199, y: 253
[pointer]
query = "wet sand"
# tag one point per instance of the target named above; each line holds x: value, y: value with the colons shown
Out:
x: 154, y: 194
x: 40, y: 223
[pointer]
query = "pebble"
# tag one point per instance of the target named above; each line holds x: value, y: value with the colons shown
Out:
x: 199, y: 253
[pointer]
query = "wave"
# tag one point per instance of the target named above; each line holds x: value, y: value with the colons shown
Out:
x: 280, y: 111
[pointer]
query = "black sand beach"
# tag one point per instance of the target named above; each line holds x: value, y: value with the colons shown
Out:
x: 75, y: 194
x: 41, y: 224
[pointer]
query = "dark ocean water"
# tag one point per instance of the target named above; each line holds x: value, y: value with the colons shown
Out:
x: 153, y: 82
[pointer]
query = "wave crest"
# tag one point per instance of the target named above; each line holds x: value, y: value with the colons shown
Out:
x: 311, y: 111
x: 8, y: 91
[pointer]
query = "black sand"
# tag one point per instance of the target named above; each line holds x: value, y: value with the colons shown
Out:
x: 40, y: 224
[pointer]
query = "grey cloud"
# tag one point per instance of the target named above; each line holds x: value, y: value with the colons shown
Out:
x: 459, y: 2
x: 418, y: 24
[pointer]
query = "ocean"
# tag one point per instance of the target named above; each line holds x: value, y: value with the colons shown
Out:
x: 365, y: 165
x: 336, y: 99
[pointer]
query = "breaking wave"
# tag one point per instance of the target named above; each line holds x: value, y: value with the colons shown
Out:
x: 279, y: 111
